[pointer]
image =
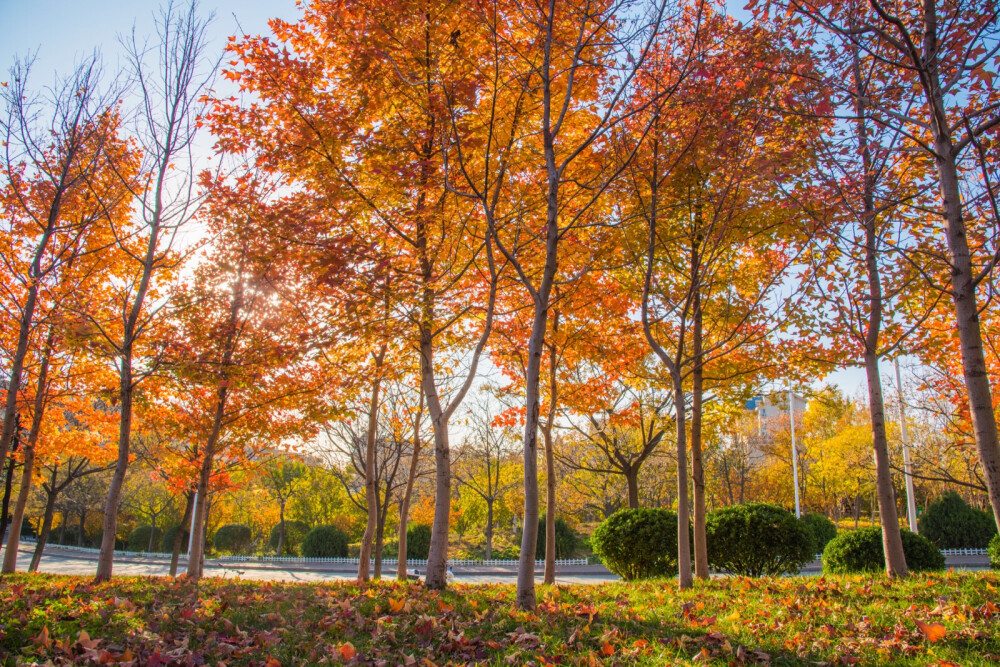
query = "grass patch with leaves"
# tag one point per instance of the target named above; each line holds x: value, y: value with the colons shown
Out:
x: 932, y: 619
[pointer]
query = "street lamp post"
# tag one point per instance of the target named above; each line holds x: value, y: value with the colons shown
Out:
x: 795, y: 454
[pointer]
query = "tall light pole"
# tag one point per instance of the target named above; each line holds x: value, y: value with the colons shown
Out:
x: 911, y: 502
x: 795, y: 454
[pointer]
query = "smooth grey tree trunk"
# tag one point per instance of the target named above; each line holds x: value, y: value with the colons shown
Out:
x: 371, y: 493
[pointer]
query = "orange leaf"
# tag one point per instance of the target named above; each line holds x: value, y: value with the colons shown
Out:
x: 271, y: 662
x: 442, y: 607
x: 607, y: 649
x: 640, y: 643
x: 347, y: 651
x: 932, y: 631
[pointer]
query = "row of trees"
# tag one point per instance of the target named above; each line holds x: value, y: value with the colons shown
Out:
x: 632, y: 209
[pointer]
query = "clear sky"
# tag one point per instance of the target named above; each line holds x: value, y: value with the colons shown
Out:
x: 62, y: 32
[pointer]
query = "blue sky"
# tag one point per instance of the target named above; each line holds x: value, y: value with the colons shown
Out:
x: 64, y: 31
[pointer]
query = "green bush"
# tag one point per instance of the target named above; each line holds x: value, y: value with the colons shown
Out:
x: 167, y: 543
x: 821, y: 529
x: 295, y: 532
x: 566, y: 539
x: 418, y: 541
x: 325, y: 542
x: 234, y: 538
x: 638, y: 543
x: 757, y: 540
x: 138, y: 540
x: 951, y: 523
x: 861, y: 551
x: 994, y: 551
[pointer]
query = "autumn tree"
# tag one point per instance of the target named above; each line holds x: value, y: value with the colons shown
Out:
x: 933, y: 84
x: 170, y: 90
x: 62, y: 159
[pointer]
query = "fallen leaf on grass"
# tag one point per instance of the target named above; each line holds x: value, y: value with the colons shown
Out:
x: 347, y: 651
x: 932, y: 631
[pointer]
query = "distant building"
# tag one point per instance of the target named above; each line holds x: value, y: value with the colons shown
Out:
x: 776, y: 405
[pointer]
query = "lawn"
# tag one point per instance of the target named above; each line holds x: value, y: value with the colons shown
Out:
x: 937, y: 619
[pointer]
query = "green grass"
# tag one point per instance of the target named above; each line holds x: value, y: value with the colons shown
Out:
x: 790, y: 621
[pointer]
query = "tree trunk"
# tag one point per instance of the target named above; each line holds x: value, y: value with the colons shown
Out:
x: 196, y: 540
x: 549, y: 576
x: 404, y: 506
x: 974, y: 371
x: 379, y: 541
x: 83, y: 526
x: 43, y: 535
x: 281, y: 526
x: 105, y: 560
x: 371, y: 493
x: 152, y: 534
x: 632, y: 484
x: 17, y: 363
x: 697, y: 466
x: 14, y: 539
x: 895, y: 560
x: 684, y: 579
x: 489, y: 528
x: 8, y: 488
x: 178, y: 544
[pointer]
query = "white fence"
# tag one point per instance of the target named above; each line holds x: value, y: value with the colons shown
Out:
x: 964, y: 552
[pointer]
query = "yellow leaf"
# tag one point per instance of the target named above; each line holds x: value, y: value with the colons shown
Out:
x: 396, y: 606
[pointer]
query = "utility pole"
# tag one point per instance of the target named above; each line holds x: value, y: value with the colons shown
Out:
x: 911, y: 502
x: 795, y: 454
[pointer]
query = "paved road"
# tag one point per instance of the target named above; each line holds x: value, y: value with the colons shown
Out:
x: 64, y: 561
x: 60, y: 561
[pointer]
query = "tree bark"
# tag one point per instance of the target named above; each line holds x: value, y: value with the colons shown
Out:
x: 178, y: 544
x: 549, y: 576
x: 371, y: 493
x: 697, y: 466
x: 14, y: 539
x: 632, y: 484
x: 105, y: 560
x: 43, y: 535
x: 8, y: 489
x: 404, y: 506
x: 281, y: 526
x: 684, y: 579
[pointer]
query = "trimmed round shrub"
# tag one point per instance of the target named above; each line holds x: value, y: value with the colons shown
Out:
x: 861, y: 551
x: 566, y: 539
x: 757, y: 540
x: 951, y: 523
x: 167, y: 543
x: 325, y: 542
x: 638, y: 543
x: 820, y: 528
x: 138, y: 539
x: 234, y: 538
x: 994, y: 552
x: 295, y: 532
x: 418, y: 541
